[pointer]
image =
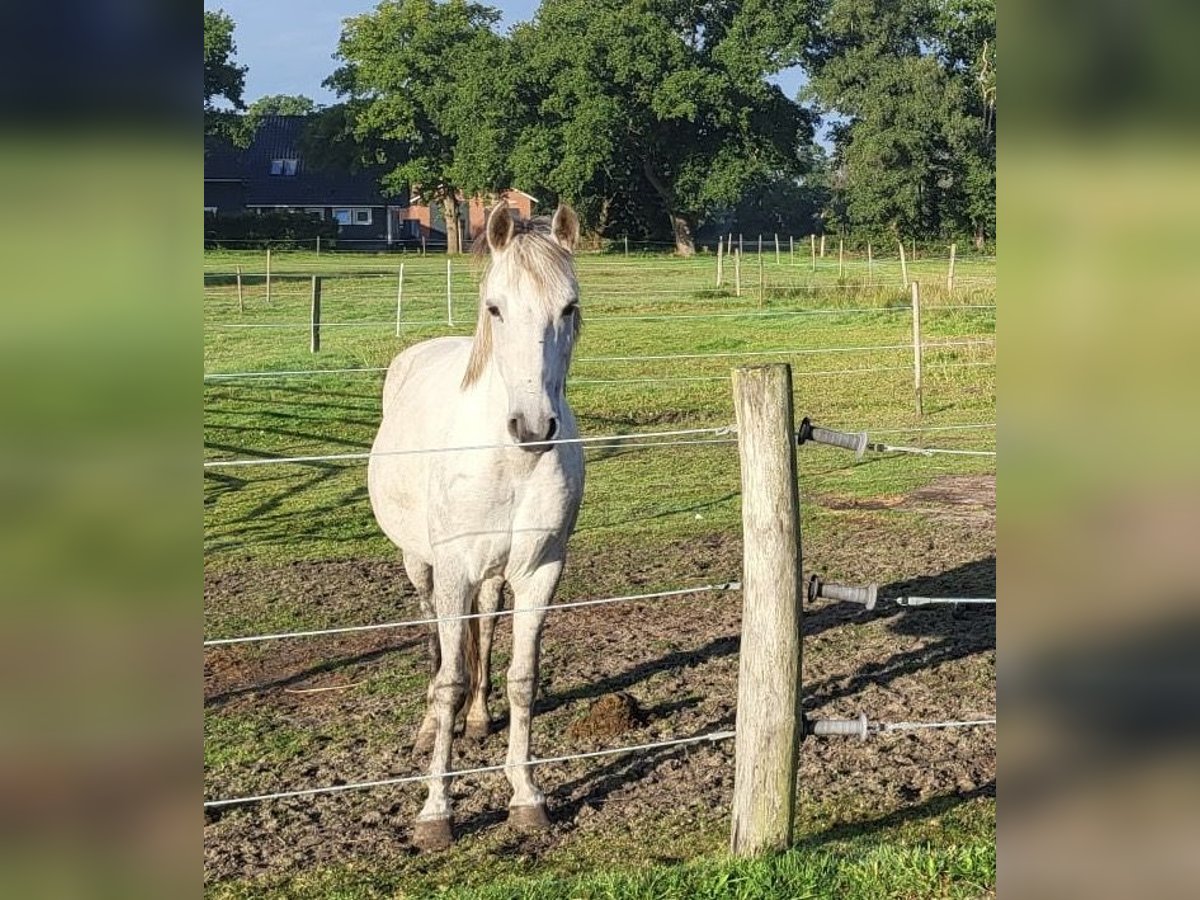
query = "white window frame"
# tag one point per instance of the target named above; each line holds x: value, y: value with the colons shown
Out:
x: 352, y: 213
x: 369, y: 213
x: 284, y: 167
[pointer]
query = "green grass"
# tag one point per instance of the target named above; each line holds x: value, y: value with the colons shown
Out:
x: 260, y: 518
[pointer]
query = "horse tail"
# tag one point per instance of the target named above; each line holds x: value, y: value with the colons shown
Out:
x: 471, y: 652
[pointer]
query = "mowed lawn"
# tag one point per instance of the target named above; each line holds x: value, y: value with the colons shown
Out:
x: 660, y: 338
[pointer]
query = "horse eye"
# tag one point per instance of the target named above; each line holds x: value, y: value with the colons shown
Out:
x: 571, y: 310
x: 494, y: 311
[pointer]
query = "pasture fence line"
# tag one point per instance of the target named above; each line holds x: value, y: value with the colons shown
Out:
x: 711, y: 737
x: 858, y: 727
x: 413, y: 623
x: 615, y: 440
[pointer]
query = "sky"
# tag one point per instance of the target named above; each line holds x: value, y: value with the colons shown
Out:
x: 289, y: 44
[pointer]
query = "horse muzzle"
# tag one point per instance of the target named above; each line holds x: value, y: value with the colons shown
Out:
x: 532, y: 436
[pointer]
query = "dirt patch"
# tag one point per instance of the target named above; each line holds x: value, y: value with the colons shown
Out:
x: 676, y: 661
x: 611, y: 716
x: 958, y: 498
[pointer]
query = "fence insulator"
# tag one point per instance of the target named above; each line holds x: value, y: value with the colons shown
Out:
x: 858, y: 728
x: 866, y: 594
x: 856, y: 441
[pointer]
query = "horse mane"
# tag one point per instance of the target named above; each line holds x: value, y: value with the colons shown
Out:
x: 533, y: 252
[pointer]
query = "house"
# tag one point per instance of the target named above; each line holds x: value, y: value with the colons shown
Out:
x: 272, y: 174
x: 429, y: 222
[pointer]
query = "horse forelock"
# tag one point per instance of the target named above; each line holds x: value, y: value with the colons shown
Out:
x: 533, y: 256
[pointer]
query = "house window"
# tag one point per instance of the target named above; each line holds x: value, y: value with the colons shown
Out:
x: 316, y: 211
x: 284, y: 167
x: 360, y: 215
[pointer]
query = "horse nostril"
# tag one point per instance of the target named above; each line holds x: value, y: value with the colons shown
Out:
x: 553, y: 430
x: 514, y: 426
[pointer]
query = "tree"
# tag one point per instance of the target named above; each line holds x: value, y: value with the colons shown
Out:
x: 665, y: 97
x: 429, y: 93
x: 916, y: 81
x: 224, y: 80
x: 282, y: 105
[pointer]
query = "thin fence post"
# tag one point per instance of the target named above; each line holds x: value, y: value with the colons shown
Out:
x: 268, y: 275
x: 761, y: 282
x: 777, y: 248
x: 241, y: 305
x: 913, y: 241
x: 318, y: 245
x: 729, y: 245
x: 399, y: 298
x: 916, y: 317
x: 422, y: 245
x: 791, y: 250
x: 841, y: 258
x: 903, y: 265
x: 626, y: 245
x: 950, y: 271
x: 822, y: 246
x: 449, y: 301
x: 741, y: 246
x: 760, y: 245
x: 737, y: 272
x: 315, y: 316
x: 720, y: 249
x: 769, y: 724
x: 812, y: 239
x: 870, y: 265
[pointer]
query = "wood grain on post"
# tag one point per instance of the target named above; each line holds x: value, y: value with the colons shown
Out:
x: 916, y: 317
x: 241, y: 305
x: 950, y: 271
x: 768, y: 711
x: 315, y: 317
x: 903, y: 265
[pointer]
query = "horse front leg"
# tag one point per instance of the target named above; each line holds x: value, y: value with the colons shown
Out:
x: 527, y: 808
x: 452, y: 597
x: 479, y: 720
x: 420, y: 574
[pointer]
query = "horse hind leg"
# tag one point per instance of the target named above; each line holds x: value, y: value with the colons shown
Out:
x: 420, y: 574
x: 478, y: 720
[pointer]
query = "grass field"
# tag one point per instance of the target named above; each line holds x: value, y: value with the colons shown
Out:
x: 295, y: 546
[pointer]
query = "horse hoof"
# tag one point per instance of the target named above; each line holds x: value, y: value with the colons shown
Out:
x: 430, y: 835
x: 477, y: 731
x: 529, y: 818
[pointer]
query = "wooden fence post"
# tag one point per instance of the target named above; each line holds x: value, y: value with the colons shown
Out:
x: 318, y: 245
x: 761, y: 282
x: 241, y: 305
x: 399, y: 298
x: 812, y: 239
x: 268, y: 275
x: 315, y: 316
x: 916, y: 317
x: 720, y: 252
x: 449, y: 303
x: 769, y: 723
x: 822, y: 246
x: 950, y: 271
x: 741, y: 246
x: 627, y: 245
x: 903, y: 265
x: 737, y: 272
x: 841, y: 258
x: 791, y: 250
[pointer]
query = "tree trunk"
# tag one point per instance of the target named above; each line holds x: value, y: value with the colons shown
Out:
x: 685, y: 243
x: 979, y: 238
x: 450, y: 214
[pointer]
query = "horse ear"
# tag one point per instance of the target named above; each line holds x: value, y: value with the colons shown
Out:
x: 500, y: 227
x: 565, y: 228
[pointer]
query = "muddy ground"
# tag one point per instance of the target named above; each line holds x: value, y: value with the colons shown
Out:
x: 675, y: 659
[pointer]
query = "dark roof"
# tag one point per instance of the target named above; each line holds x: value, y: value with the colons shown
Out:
x: 281, y: 137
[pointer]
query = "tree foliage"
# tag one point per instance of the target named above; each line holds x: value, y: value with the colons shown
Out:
x: 224, y: 80
x: 915, y: 80
x: 658, y: 103
x: 425, y: 84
